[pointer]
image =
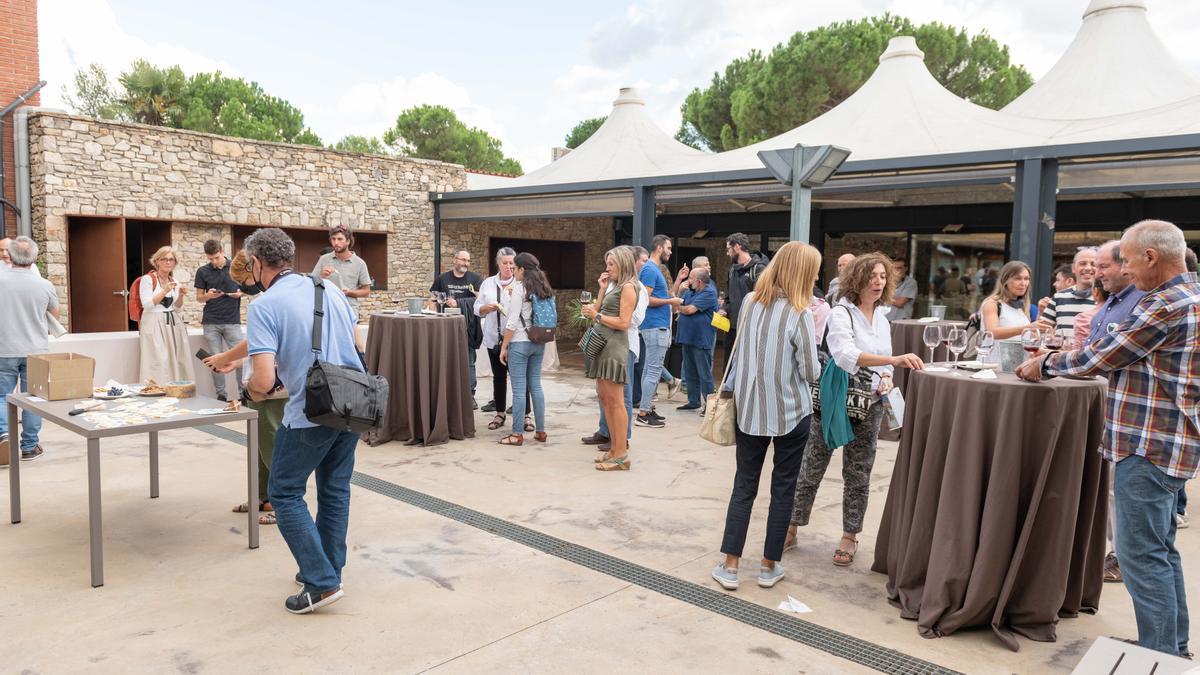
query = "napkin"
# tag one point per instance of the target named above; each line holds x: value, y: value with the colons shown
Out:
x: 928, y: 319
x: 984, y: 375
x: 935, y: 369
x: 794, y: 605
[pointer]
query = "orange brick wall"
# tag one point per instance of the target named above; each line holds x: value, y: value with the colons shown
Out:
x: 18, y: 72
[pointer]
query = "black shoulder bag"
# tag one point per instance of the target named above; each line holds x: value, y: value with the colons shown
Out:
x: 335, y: 396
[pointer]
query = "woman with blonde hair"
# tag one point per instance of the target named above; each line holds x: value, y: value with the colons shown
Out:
x: 858, y: 337
x: 1006, y: 311
x: 773, y: 362
x: 612, y: 311
x: 165, y: 355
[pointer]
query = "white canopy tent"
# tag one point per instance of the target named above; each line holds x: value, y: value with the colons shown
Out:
x: 1115, y: 65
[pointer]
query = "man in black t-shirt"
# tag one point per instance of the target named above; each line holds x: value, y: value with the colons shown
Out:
x: 222, y: 300
x: 460, y: 283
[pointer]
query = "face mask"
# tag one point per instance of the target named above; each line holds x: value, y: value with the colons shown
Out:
x: 258, y: 284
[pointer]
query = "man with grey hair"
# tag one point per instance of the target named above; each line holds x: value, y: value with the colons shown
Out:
x: 1153, y: 423
x: 4, y: 244
x: 1062, y: 309
x: 835, y: 285
x: 279, y: 330
x: 27, y: 299
x: 461, y: 286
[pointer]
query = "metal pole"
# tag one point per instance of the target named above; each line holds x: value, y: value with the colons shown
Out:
x: 95, y: 527
x: 643, y: 216
x: 798, y: 229
x: 14, y: 464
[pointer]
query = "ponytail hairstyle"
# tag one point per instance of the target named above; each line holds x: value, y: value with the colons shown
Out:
x: 535, y: 282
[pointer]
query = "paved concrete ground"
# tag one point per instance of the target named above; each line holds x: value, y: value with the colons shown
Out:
x: 424, y: 592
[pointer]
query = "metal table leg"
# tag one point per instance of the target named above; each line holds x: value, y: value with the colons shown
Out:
x: 14, y: 464
x: 252, y: 479
x: 154, y: 465
x: 96, y: 536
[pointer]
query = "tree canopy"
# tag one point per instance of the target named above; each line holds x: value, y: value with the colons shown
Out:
x: 209, y: 102
x: 583, y: 131
x: 435, y: 132
x: 369, y: 145
x: 757, y: 96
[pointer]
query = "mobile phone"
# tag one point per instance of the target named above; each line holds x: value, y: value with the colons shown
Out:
x: 202, y: 354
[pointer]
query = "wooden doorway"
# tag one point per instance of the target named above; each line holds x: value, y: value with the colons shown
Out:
x: 96, y: 274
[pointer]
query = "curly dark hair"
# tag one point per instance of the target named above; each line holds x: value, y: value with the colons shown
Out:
x: 271, y: 246
x: 857, y: 276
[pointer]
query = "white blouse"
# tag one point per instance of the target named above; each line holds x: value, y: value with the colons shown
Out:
x: 493, y: 291
x: 851, y: 334
x: 147, y: 288
x: 520, y: 313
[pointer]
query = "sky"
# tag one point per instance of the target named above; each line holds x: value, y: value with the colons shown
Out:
x: 525, y: 71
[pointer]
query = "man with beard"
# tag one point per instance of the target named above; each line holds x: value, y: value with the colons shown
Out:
x: 345, y: 269
x: 461, y: 285
x: 655, y: 330
x: 743, y: 274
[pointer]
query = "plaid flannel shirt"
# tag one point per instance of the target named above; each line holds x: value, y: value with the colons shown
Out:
x: 1153, y: 367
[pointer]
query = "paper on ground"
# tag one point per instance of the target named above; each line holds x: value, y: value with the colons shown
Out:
x: 795, y: 606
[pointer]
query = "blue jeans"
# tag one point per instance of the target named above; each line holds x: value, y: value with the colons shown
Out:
x: 628, y: 403
x: 525, y: 373
x: 318, y: 547
x: 13, y: 370
x: 219, y: 338
x: 657, y: 341
x: 1181, y: 502
x: 1150, y: 563
x: 471, y: 355
x: 697, y: 367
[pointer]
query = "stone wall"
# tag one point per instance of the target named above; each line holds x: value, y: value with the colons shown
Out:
x: 205, y: 183
x: 596, y: 233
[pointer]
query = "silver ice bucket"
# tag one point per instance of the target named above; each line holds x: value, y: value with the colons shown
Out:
x: 937, y: 311
x: 1011, y: 354
x: 415, y: 305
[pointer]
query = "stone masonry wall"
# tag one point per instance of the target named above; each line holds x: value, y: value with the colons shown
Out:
x: 206, y: 183
x: 596, y: 233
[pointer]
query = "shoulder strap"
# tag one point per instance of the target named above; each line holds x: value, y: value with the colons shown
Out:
x: 318, y: 315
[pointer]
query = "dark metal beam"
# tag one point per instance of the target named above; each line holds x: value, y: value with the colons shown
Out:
x: 1033, y: 220
x: 437, y: 239
x: 643, y: 215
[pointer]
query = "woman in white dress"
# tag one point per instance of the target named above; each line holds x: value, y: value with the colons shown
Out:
x: 1006, y: 311
x: 164, y: 341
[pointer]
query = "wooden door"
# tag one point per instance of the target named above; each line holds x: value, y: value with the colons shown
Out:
x: 96, y: 274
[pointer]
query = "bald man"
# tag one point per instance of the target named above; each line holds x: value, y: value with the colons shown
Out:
x: 4, y: 251
x: 843, y: 260
x: 459, y: 283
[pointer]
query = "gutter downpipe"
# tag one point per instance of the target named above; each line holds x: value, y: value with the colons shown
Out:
x: 23, y: 180
x: 16, y: 144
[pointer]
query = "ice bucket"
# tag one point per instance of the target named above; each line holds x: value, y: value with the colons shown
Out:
x: 1011, y: 354
x: 938, y: 311
x: 415, y: 305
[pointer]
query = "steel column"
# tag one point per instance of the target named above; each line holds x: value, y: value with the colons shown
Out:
x: 1034, y: 211
x: 643, y: 216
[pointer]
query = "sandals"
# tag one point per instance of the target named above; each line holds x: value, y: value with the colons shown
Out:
x: 244, y: 507
x: 540, y: 437
x: 497, y: 422
x: 843, y: 557
x: 513, y: 439
x: 266, y: 519
x: 529, y: 423
x: 614, y: 464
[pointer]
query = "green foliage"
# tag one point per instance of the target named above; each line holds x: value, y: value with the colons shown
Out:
x: 575, y: 315
x: 209, y: 102
x: 583, y: 131
x: 366, y: 145
x: 435, y: 132
x: 759, y: 97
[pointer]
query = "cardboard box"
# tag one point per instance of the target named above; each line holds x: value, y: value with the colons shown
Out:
x: 56, y: 377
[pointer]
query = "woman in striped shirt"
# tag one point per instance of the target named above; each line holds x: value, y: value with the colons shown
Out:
x: 774, y: 360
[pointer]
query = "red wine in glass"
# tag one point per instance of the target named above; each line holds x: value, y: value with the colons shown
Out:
x: 1054, y: 342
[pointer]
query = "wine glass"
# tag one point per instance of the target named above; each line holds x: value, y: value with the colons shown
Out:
x: 946, y: 328
x: 958, y: 343
x: 1031, y: 340
x: 440, y: 298
x: 931, y: 337
x: 1068, y: 339
x: 987, y: 342
x: 1053, y: 341
x: 585, y: 297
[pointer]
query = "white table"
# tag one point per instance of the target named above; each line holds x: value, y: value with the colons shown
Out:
x: 58, y: 412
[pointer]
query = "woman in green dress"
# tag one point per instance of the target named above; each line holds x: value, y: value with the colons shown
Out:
x: 612, y: 312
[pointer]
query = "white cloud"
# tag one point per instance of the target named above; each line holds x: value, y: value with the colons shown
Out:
x: 74, y: 34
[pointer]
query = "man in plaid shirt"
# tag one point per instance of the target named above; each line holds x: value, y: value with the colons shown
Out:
x: 1153, y: 422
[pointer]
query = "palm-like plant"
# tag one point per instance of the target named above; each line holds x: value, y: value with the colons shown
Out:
x: 153, y: 95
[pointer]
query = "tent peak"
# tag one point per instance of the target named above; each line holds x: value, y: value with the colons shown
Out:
x: 1097, y: 6
x: 903, y: 45
x: 628, y: 96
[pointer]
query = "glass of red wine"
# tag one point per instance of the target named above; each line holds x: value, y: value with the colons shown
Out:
x: 1031, y: 340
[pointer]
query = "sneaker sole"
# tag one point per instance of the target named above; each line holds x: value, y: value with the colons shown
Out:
x: 649, y: 424
x: 30, y: 459
x: 726, y: 584
x: 314, y: 607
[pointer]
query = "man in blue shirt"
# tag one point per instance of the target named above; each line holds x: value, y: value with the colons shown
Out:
x: 655, y: 329
x: 1123, y: 296
x: 698, y: 336
x: 279, y: 334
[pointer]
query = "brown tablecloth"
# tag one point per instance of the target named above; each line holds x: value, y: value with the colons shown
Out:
x: 424, y: 359
x: 997, y: 507
x: 908, y: 338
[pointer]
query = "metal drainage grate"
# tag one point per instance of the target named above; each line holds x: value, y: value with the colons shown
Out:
x: 827, y: 640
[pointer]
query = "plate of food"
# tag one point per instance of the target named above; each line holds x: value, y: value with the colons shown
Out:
x: 152, y: 388
x: 110, y: 393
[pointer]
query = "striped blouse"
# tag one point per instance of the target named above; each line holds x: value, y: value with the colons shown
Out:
x: 775, y: 358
